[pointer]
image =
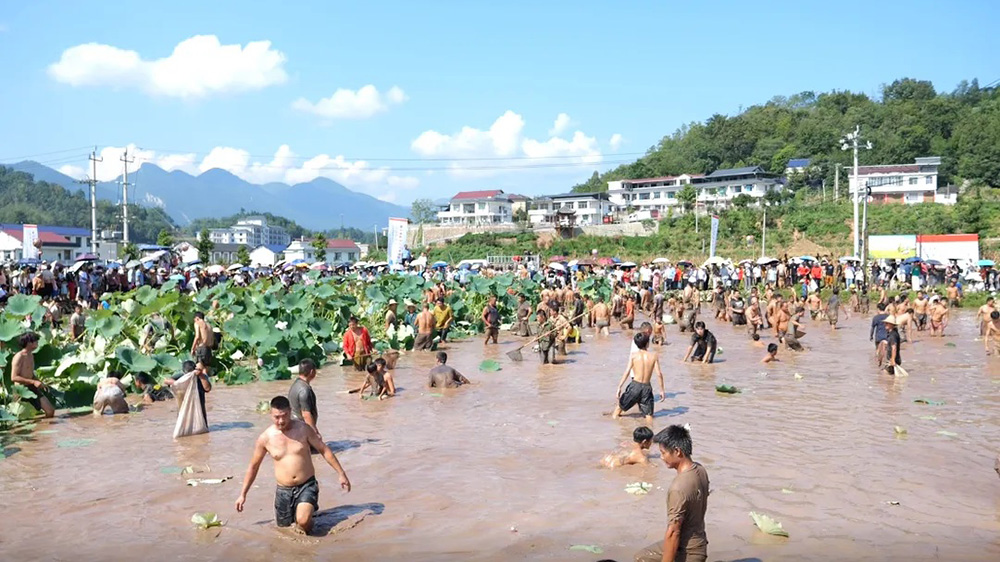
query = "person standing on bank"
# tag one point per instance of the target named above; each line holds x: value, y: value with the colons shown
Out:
x: 687, y: 502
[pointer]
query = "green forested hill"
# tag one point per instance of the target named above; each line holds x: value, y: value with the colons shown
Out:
x: 910, y: 120
x: 23, y: 200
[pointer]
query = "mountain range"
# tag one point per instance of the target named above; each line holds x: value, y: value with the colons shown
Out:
x: 320, y: 204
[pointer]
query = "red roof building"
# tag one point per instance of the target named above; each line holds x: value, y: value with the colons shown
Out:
x: 485, y: 194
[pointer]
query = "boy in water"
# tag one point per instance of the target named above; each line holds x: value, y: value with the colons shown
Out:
x: 641, y: 365
x: 636, y: 453
x: 703, y: 345
x: 151, y: 392
x: 772, y: 353
x: 375, y: 380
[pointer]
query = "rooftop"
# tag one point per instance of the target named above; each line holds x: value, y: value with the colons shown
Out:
x: 47, y: 237
x: 484, y: 194
x: 886, y: 169
x: 592, y: 195
x: 744, y: 171
x: 60, y: 230
x: 663, y: 178
x: 341, y: 244
x: 275, y: 248
x: 799, y: 162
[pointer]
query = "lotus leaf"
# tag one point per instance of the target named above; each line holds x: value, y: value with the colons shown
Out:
x: 727, y: 389
x: 23, y: 305
x: 10, y: 329
x: 73, y: 443
x: 768, y: 525
x: 47, y: 354
x: 592, y: 548
x: 168, y: 362
x: 239, y: 375
x: 323, y: 291
x: 24, y: 392
x: 145, y: 294
x: 206, y: 520
x: 375, y: 294
x: 639, y: 488
x: 295, y: 301
x: 71, y: 366
x: 490, y: 365
x: 928, y: 402
x: 109, y: 327
x: 130, y: 306
x: 135, y: 361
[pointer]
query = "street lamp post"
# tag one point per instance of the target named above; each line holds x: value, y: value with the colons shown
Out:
x: 850, y: 141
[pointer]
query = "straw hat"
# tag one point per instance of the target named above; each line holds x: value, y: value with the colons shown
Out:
x: 890, y: 320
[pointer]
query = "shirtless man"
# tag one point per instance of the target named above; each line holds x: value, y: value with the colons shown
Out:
x: 754, y: 320
x: 992, y: 333
x: 639, y: 391
x: 628, y: 317
x: 288, y: 441
x: 854, y: 304
x: 939, y: 317
x: 425, y: 329
x: 920, y: 311
x: 983, y: 315
x: 905, y: 323
x: 833, y: 308
x: 204, y: 340
x: 110, y: 394
x: 601, y: 317
x: 954, y: 297
x: 815, y: 304
x: 773, y: 311
x: 636, y: 453
x: 22, y: 371
x: 772, y: 353
x: 444, y: 376
x: 491, y: 320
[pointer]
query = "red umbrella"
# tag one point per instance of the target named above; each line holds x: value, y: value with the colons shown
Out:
x: 606, y: 261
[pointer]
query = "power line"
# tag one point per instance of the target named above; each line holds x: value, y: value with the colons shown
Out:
x: 19, y: 158
x: 425, y: 159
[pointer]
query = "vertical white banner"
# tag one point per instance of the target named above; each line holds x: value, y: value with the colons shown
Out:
x: 397, y: 240
x: 29, y: 237
x: 715, y: 235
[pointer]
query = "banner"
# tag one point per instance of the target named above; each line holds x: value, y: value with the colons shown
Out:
x: 397, y: 240
x: 892, y: 246
x: 29, y: 247
x: 715, y: 235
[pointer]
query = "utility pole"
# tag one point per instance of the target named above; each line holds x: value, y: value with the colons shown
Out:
x: 864, y: 236
x: 852, y: 140
x: 824, y: 190
x: 763, y: 234
x: 375, y: 230
x: 127, y: 161
x: 92, y: 182
x: 836, y: 183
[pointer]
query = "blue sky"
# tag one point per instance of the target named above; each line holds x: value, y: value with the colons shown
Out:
x: 422, y: 99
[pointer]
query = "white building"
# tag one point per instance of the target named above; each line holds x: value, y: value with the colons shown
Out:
x: 59, y: 243
x: 589, y: 208
x: 797, y: 166
x: 718, y: 189
x: 478, y: 208
x: 265, y: 255
x: 250, y: 231
x: 903, y: 183
x: 337, y: 251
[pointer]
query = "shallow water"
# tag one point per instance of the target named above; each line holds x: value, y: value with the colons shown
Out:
x: 506, y: 469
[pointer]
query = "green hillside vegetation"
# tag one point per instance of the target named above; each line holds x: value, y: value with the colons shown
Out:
x: 24, y: 200
x: 803, y: 217
x: 910, y: 120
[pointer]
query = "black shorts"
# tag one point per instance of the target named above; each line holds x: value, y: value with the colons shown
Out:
x: 637, y: 393
x: 204, y: 354
x: 423, y: 341
x: 287, y: 499
x: 700, y: 350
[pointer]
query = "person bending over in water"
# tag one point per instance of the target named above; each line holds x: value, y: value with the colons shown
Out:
x: 636, y: 453
x: 110, y: 394
x: 703, y: 345
x: 772, y: 353
x: 374, y: 381
x: 288, y: 441
x: 639, y: 391
x: 151, y: 392
x: 444, y: 376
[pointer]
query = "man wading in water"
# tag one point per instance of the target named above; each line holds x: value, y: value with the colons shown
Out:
x: 687, y: 502
x: 288, y: 441
x: 641, y: 365
x: 491, y: 320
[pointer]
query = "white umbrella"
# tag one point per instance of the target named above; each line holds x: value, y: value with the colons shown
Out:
x: 155, y: 255
x: 557, y: 266
x: 77, y: 266
x: 573, y: 263
x: 236, y: 267
x: 215, y: 269
x: 419, y: 262
x: 715, y: 260
x: 765, y: 260
x: 846, y: 259
x: 628, y: 264
x: 661, y: 260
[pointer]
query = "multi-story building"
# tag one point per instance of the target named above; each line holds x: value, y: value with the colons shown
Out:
x: 474, y: 208
x: 337, y: 251
x: 903, y: 183
x: 717, y: 189
x: 252, y: 232
x: 589, y: 208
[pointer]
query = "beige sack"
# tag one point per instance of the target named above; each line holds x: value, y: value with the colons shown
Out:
x: 190, y: 415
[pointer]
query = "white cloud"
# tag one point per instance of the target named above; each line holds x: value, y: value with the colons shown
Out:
x: 616, y: 141
x: 348, y: 104
x: 505, y: 139
x: 198, y: 67
x: 561, y: 125
x: 388, y: 197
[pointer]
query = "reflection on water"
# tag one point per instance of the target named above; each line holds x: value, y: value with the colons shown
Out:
x: 506, y: 468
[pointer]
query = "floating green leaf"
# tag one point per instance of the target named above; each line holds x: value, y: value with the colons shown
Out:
x: 206, y: 520
x: 170, y: 470
x: 638, y: 488
x: 490, y: 365
x: 929, y: 402
x: 947, y: 433
x: 73, y: 443
x: 727, y: 389
x: 768, y: 525
x: 592, y: 548
x: 949, y: 344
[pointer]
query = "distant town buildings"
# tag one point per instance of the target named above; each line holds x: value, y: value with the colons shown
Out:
x: 337, y: 251
x: 477, y: 208
x: 59, y: 243
x: 903, y: 183
x: 252, y: 232
x: 718, y: 189
x: 586, y: 208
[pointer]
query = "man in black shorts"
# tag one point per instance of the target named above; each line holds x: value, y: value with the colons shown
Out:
x: 703, y: 345
x: 641, y: 365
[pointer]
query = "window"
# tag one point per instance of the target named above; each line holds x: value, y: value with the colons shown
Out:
x: 913, y: 180
x: 929, y: 180
x: 657, y: 194
x: 737, y: 189
x: 671, y: 195
x: 482, y: 206
x: 568, y: 204
x: 913, y: 197
x: 643, y: 196
x: 581, y: 205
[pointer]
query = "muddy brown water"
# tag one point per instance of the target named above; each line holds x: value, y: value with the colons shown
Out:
x: 507, y: 469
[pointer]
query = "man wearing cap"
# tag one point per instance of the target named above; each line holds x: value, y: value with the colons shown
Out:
x: 390, y: 316
x: 892, y: 343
